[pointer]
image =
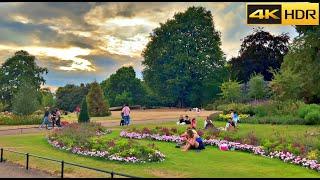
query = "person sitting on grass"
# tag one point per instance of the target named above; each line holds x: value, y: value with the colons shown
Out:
x: 230, y: 125
x: 181, y: 121
x: 187, y: 120
x: 193, y: 124
x: 193, y: 141
x: 208, y: 123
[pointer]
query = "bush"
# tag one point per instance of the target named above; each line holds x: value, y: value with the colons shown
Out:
x: 84, y: 115
x: 20, y: 120
x: 311, y: 113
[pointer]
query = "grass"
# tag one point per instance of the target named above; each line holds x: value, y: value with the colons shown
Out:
x: 208, y: 163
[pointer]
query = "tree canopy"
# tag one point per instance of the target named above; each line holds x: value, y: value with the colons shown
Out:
x: 97, y: 105
x: 70, y: 96
x: 259, y: 52
x: 15, y: 70
x: 184, y: 59
x: 123, y: 86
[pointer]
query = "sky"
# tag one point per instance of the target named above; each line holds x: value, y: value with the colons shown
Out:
x: 80, y: 42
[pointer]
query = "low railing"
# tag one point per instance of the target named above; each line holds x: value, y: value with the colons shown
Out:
x: 63, y: 163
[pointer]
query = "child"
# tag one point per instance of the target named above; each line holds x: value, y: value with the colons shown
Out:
x: 230, y: 125
x: 122, y: 120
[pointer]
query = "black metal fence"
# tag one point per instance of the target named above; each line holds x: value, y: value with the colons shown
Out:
x: 63, y: 163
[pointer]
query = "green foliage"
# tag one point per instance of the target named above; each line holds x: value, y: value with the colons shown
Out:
x: 84, y: 115
x: 70, y: 96
x: 15, y: 70
x: 97, y: 106
x: 26, y: 100
x: 2, y: 106
x: 257, y: 87
x: 286, y: 85
x: 123, y: 98
x: 311, y: 113
x: 302, y: 63
x: 47, y: 98
x: 123, y: 86
x: 20, y: 120
x: 184, y: 58
x: 260, y: 52
x: 230, y: 91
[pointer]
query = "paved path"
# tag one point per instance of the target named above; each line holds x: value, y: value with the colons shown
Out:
x: 10, y: 170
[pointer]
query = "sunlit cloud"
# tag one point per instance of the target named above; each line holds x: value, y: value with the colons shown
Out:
x: 71, y: 53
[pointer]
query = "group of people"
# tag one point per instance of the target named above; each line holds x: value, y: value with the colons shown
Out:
x: 51, y: 118
x: 125, y: 115
x: 192, y: 140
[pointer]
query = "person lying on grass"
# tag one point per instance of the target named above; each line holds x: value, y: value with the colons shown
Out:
x: 193, y: 140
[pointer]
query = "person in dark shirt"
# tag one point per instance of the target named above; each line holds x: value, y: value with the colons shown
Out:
x: 45, y: 119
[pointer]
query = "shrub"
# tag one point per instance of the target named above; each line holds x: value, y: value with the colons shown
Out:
x: 84, y: 115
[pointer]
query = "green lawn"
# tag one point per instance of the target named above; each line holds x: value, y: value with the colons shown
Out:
x: 208, y: 163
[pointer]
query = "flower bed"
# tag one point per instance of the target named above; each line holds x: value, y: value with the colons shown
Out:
x: 258, y: 150
x: 89, y: 140
x: 7, y: 118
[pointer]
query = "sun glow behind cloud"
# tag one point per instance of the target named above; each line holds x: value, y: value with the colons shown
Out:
x: 71, y: 53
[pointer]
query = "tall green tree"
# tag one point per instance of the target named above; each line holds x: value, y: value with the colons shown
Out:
x: 230, y: 91
x: 122, y: 82
x: 14, y: 70
x: 26, y: 99
x: 303, y: 62
x: 184, y: 58
x: 259, y: 52
x: 70, y: 96
x: 257, y: 87
x: 84, y: 114
x: 47, y: 98
x: 97, y: 105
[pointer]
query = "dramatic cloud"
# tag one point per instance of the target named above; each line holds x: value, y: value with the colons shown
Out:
x: 86, y: 41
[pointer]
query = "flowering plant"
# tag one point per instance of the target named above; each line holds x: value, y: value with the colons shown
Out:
x: 258, y: 150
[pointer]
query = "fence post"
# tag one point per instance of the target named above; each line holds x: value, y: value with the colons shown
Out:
x: 27, y: 162
x: 1, y: 156
x: 112, y: 174
x: 62, y: 168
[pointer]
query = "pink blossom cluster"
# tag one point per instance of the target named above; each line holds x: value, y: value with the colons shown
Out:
x: 258, y: 150
x: 101, y: 133
x: 105, y: 154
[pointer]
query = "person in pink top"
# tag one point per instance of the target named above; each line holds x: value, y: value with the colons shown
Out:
x: 126, y: 114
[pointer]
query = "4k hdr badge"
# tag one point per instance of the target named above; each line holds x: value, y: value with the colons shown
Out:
x: 283, y: 13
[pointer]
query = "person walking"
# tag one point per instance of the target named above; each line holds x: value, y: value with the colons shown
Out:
x: 126, y: 114
x: 45, y: 119
x: 58, y: 117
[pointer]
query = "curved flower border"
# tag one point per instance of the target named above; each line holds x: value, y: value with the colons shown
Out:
x: 104, y: 154
x: 258, y: 150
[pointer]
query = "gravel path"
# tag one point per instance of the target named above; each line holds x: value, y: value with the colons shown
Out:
x: 10, y: 170
x: 35, y: 129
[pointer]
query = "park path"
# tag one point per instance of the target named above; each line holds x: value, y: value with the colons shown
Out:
x: 111, y: 123
x: 10, y: 170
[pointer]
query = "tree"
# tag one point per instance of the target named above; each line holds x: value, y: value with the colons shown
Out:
x: 84, y: 115
x: 122, y: 82
x: 14, y: 70
x: 257, y: 87
x: 230, y: 90
x: 259, y: 52
x: 302, y: 62
x: 70, y: 96
x: 97, y: 106
x: 123, y: 98
x: 286, y: 85
x: 182, y: 56
x: 47, y: 99
x: 26, y: 100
